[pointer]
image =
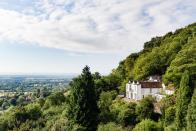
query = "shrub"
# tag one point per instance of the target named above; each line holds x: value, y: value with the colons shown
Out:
x: 109, y: 127
x: 147, y: 125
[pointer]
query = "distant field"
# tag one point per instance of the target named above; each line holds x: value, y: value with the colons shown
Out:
x: 29, y: 82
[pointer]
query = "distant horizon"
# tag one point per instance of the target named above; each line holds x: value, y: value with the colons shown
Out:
x: 18, y: 73
x: 42, y: 74
x: 58, y: 74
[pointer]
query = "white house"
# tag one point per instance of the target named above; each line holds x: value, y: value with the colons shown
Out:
x: 139, y: 89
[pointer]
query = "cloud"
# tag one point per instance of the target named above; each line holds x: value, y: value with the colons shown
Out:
x: 94, y: 26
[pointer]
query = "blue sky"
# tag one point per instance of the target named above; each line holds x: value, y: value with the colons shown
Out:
x: 62, y: 36
x: 32, y: 59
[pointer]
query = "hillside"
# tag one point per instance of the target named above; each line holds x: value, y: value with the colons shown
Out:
x: 169, y: 56
x: 91, y: 101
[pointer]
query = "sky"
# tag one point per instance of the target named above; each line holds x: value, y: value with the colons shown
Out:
x: 62, y: 36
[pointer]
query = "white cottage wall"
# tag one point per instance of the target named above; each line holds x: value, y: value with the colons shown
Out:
x: 138, y: 92
x: 134, y: 91
x: 148, y: 91
x: 155, y: 90
x: 145, y: 92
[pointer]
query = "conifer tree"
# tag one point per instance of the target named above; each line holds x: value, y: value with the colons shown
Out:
x: 82, y: 108
x: 183, y: 99
x: 191, y: 113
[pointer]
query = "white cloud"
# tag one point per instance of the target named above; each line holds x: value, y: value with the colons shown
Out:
x: 99, y: 26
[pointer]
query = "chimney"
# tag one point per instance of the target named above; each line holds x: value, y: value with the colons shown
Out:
x: 150, y: 79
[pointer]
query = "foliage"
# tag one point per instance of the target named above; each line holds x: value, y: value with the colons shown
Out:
x: 96, y: 76
x: 123, y: 87
x: 169, y: 56
x: 183, y: 99
x: 5, y: 104
x: 30, y: 117
x: 184, y: 60
x: 44, y: 92
x: 123, y: 113
x: 92, y: 99
x: 147, y: 125
x: 191, y: 113
x: 21, y: 100
x: 13, y: 101
x: 125, y: 69
x: 110, y: 127
x: 104, y: 103
x: 145, y: 108
x: 165, y: 103
x: 82, y: 107
x: 106, y: 83
x: 41, y: 101
x: 170, y: 127
x: 54, y: 99
x: 169, y: 115
x: 3, y: 125
x: 33, y: 111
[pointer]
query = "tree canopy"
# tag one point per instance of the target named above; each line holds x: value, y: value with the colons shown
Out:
x: 183, y: 99
x: 82, y: 107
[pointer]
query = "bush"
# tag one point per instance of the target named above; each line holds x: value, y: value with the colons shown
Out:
x: 170, y: 128
x: 145, y: 108
x: 147, y: 125
x: 3, y: 125
x: 104, y: 103
x: 170, y: 115
x: 109, y: 127
x: 33, y: 111
x: 13, y: 101
x: 123, y: 113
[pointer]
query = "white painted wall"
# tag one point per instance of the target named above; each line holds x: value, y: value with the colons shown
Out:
x: 149, y: 91
x: 134, y: 91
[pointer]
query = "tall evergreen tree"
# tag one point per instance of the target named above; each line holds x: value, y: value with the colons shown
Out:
x: 82, y: 108
x: 191, y: 113
x: 183, y: 99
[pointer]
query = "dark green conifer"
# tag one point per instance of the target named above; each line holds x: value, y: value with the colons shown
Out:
x: 183, y: 99
x: 82, y: 108
x: 191, y: 113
